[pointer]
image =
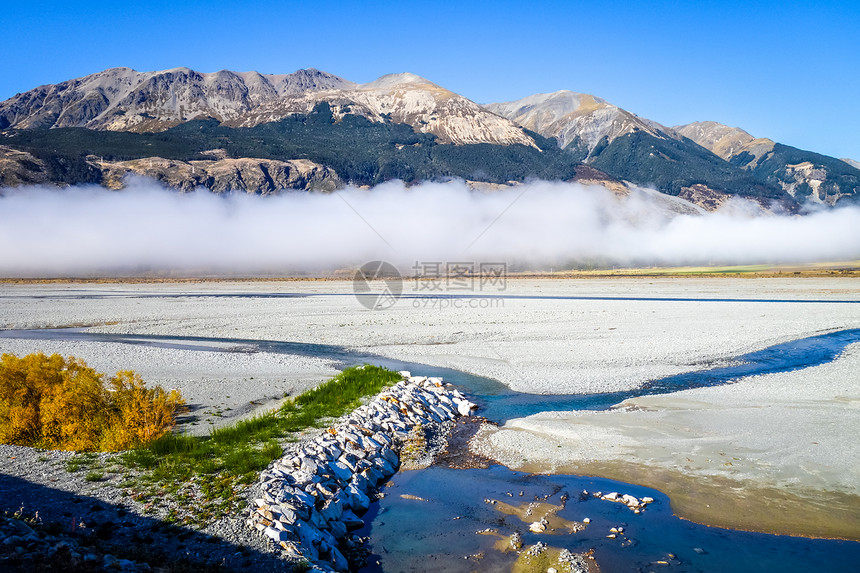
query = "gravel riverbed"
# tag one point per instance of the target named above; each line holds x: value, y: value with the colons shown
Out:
x: 100, y: 517
x: 548, y: 336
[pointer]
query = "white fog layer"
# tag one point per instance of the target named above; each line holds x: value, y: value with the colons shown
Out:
x: 56, y: 232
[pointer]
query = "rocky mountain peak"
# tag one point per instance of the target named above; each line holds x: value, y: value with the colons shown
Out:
x: 430, y: 108
x: 390, y: 81
x: 720, y: 139
x: 555, y: 106
x: 576, y: 120
x: 852, y: 163
x: 311, y: 79
x: 181, y: 70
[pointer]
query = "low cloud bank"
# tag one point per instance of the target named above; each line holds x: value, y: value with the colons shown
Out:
x: 147, y: 229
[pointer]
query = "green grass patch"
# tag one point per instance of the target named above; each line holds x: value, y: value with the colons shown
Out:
x: 81, y: 461
x: 233, y: 456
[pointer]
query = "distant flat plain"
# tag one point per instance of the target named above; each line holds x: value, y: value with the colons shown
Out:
x: 772, y: 453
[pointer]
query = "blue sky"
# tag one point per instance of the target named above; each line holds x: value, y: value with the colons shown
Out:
x: 785, y: 70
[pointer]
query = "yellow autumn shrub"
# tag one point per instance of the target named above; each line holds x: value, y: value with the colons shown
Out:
x: 73, y: 411
x: 54, y: 403
x: 140, y: 414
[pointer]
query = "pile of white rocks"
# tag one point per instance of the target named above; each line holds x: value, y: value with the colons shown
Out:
x: 314, y: 496
x: 635, y: 504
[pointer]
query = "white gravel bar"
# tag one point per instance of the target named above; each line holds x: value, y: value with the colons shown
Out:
x: 617, y: 334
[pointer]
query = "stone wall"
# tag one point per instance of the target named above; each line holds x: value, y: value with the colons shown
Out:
x: 314, y: 496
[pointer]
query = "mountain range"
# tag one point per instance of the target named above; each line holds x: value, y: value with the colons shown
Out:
x: 262, y: 133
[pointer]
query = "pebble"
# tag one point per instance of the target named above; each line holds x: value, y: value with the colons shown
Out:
x: 537, y: 527
x: 23, y: 549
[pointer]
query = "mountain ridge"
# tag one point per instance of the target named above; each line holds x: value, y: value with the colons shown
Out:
x: 805, y: 175
x: 410, y: 128
x: 631, y: 148
x: 123, y: 99
x: 104, y: 100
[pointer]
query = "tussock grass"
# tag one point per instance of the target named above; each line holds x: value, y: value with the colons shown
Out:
x: 233, y: 456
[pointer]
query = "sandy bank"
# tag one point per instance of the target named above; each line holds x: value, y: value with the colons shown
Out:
x: 772, y: 453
